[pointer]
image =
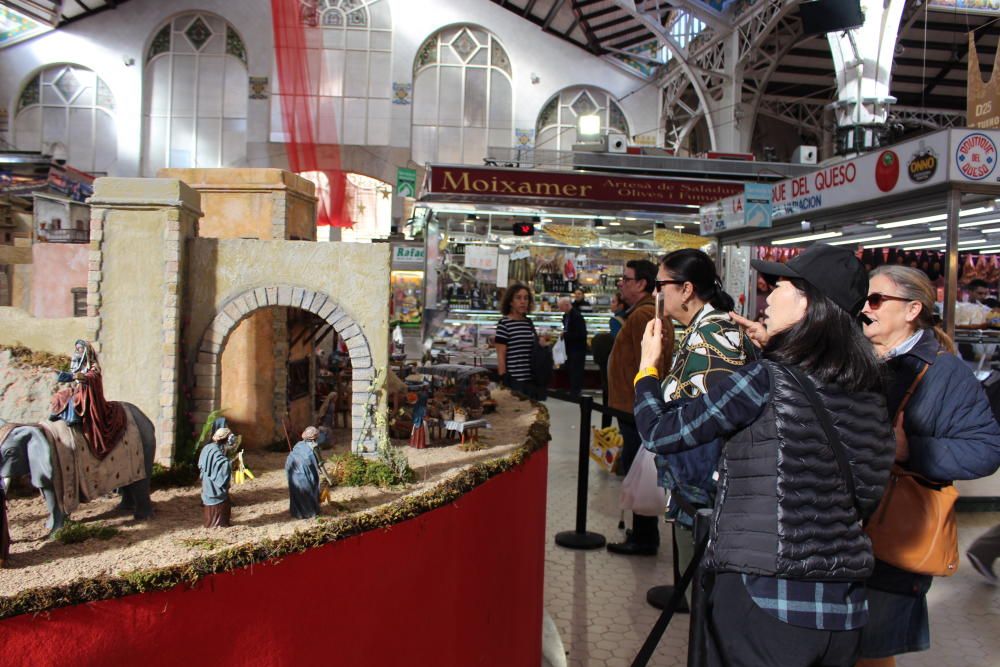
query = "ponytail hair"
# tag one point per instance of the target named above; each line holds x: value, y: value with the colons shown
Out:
x: 695, y: 267
x: 915, y: 286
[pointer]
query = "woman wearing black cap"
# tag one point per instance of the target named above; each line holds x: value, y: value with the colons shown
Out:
x: 807, y: 455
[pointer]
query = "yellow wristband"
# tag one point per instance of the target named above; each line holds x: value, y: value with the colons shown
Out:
x: 649, y: 371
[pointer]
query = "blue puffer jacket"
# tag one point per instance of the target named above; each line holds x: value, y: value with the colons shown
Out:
x: 948, y: 422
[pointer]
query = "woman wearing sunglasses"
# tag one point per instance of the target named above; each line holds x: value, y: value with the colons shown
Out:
x: 944, y: 431
x: 808, y: 447
x: 711, y: 348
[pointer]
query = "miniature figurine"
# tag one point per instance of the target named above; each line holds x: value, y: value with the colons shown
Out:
x: 216, y: 475
x: 418, y: 435
x: 82, y: 403
x: 303, y: 469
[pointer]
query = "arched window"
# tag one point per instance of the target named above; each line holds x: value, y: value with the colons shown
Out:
x: 68, y: 112
x: 556, y: 126
x: 195, y: 95
x: 353, y: 85
x: 463, y: 100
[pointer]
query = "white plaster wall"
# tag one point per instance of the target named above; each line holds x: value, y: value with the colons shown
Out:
x: 104, y: 41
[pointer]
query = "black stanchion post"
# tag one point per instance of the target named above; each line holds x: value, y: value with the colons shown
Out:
x: 649, y: 646
x: 699, y: 597
x: 580, y: 538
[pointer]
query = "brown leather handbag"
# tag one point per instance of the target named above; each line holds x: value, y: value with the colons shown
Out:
x: 914, y: 527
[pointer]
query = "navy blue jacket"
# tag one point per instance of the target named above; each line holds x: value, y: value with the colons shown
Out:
x: 948, y: 422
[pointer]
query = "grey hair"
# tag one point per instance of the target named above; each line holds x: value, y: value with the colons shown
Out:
x: 914, y: 285
x: 565, y: 299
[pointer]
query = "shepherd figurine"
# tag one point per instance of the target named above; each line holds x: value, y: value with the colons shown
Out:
x: 303, y: 469
x: 216, y: 475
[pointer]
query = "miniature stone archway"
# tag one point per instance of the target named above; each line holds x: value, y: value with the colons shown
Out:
x: 208, y: 369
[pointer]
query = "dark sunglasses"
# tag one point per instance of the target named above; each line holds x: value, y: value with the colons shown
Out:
x: 662, y: 283
x: 875, y: 300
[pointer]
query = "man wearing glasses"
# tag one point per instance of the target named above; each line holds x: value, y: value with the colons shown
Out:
x: 636, y: 287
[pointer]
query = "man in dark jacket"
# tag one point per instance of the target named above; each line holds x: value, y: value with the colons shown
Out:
x: 575, y: 337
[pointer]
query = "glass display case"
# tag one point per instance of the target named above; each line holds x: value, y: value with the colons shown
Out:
x: 465, y: 335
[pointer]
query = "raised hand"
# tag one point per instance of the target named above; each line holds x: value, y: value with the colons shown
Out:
x: 652, y: 344
x: 756, y: 331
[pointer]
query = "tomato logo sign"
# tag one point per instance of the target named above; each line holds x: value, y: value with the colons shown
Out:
x: 887, y: 171
x: 976, y: 156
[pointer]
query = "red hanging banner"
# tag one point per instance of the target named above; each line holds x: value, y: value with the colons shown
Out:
x: 298, y: 50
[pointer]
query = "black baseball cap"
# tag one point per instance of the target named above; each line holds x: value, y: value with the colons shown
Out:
x: 832, y: 270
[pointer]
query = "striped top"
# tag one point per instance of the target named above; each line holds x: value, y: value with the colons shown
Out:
x: 519, y: 337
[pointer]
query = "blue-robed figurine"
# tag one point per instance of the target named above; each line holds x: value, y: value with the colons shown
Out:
x: 302, y: 467
x: 216, y: 475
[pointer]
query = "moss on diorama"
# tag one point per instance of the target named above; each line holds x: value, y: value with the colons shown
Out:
x: 74, y: 532
x: 203, y: 543
x: 324, y: 531
x: 35, y: 359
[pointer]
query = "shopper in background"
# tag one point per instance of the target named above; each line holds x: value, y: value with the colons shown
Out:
x: 575, y: 337
x: 636, y: 289
x: 787, y: 550
x: 979, y: 292
x: 515, y: 341
x: 580, y: 300
x: 712, y: 347
x: 945, y: 431
x: 618, y: 309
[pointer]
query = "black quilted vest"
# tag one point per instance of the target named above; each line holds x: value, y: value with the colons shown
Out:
x: 783, y: 508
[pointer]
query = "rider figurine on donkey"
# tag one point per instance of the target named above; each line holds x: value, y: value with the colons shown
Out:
x: 82, y: 402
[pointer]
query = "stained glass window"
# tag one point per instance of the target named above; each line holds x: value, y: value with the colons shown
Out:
x: 353, y: 82
x: 195, y: 95
x: 463, y: 99
x: 557, y: 121
x: 70, y: 110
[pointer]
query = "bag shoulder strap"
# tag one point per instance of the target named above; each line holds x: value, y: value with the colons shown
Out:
x: 909, y: 392
x: 831, y: 433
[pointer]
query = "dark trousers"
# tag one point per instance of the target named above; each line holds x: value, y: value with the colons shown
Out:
x: 576, y: 359
x: 740, y: 634
x: 630, y: 445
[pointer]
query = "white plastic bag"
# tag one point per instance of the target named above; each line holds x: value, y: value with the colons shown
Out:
x: 559, y: 352
x: 640, y: 491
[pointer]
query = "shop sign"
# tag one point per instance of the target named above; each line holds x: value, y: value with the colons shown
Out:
x: 751, y: 209
x: 408, y: 255
x: 406, y: 182
x: 567, y: 188
x: 865, y: 178
x: 922, y: 165
x: 976, y: 156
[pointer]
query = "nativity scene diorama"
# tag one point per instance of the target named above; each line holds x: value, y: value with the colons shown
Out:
x: 261, y: 410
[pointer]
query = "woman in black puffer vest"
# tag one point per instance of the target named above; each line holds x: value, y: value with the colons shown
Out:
x: 787, y: 548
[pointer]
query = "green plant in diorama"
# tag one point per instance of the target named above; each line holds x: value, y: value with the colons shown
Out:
x: 184, y: 471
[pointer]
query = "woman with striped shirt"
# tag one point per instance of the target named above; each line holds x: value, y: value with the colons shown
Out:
x: 515, y: 340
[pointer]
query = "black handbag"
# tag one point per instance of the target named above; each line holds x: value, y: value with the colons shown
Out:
x: 542, y: 364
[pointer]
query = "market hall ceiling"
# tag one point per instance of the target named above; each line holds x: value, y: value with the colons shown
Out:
x: 928, y: 73
x: 24, y: 19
